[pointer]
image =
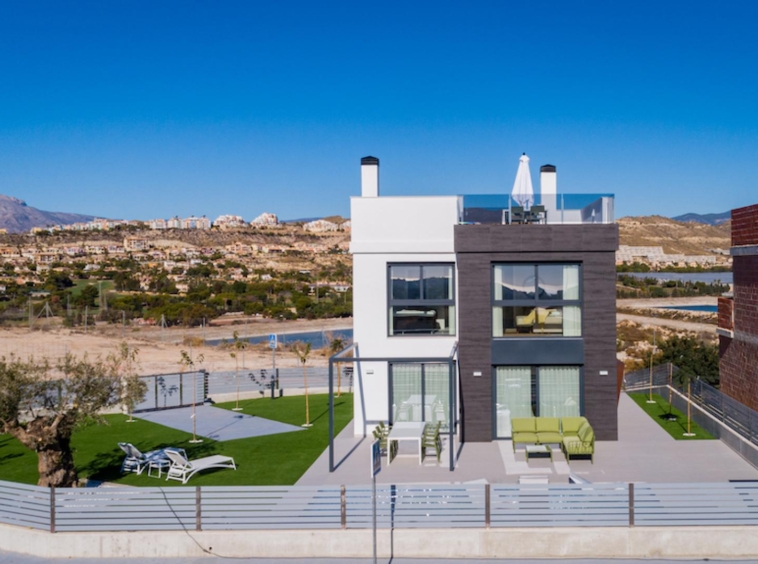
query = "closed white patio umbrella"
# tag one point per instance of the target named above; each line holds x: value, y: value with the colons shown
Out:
x: 522, y: 191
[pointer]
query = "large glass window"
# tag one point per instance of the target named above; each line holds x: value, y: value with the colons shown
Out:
x: 536, y: 300
x: 526, y: 391
x: 420, y: 392
x: 421, y: 299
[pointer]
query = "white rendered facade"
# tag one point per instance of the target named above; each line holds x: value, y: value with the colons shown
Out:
x: 385, y: 231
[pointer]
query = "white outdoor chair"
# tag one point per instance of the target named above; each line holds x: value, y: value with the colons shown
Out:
x: 136, y: 461
x: 182, y: 469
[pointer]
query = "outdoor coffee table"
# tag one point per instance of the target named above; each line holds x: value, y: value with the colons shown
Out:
x: 160, y: 461
x: 539, y: 450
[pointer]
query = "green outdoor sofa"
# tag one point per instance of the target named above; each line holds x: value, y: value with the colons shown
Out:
x: 574, y: 434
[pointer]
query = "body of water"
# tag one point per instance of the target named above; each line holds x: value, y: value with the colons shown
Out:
x: 707, y: 277
x: 317, y: 339
x: 708, y: 308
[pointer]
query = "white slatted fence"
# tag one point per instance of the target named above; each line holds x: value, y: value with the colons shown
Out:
x: 401, y: 506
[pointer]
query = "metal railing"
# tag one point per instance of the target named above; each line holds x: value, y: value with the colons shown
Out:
x: 165, y: 391
x: 728, y: 411
x: 398, y: 506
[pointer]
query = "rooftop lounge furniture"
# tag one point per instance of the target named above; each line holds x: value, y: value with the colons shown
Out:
x: 574, y: 434
x: 517, y: 214
x: 182, y: 469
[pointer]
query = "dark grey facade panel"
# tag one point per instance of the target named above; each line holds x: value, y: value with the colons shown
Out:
x: 477, y: 247
x: 536, y: 238
x: 537, y: 352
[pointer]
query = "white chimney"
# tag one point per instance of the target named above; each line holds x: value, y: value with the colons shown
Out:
x: 369, y: 177
x: 549, y: 192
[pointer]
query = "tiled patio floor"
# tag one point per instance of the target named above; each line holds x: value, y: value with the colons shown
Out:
x: 643, y: 453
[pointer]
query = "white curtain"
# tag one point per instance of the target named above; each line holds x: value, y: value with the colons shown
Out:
x: 497, y: 321
x: 572, y: 321
x: 514, y: 396
x: 571, y: 282
x: 559, y: 391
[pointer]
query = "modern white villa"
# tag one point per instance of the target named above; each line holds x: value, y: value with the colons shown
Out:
x: 472, y: 310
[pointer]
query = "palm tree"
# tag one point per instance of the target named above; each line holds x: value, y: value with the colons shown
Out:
x: 302, y: 351
x: 238, y: 346
x: 685, y: 376
x: 187, y: 363
x: 335, y: 346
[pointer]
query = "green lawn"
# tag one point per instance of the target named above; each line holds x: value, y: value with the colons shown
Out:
x: 659, y: 412
x: 271, y: 460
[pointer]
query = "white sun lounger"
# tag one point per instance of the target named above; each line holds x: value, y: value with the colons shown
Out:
x: 182, y: 469
x: 135, y: 460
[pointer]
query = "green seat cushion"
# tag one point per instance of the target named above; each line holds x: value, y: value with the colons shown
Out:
x: 573, y: 445
x: 549, y: 437
x: 523, y: 424
x: 586, y: 434
x: 525, y: 437
x: 548, y: 425
x: 570, y: 425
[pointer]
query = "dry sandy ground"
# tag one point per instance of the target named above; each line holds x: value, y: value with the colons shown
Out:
x: 160, y: 351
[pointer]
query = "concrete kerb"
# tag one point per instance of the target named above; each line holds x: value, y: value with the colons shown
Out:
x: 561, y: 542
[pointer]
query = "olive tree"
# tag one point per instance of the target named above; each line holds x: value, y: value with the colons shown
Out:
x: 41, y: 404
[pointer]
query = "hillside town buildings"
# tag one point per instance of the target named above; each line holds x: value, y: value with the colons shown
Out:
x: 656, y: 257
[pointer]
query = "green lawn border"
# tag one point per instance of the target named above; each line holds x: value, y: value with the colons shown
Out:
x: 658, y: 412
x: 275, y: 460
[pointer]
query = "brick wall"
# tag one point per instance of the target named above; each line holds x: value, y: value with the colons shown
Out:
x: 726, y: 312
x: 739, y: 370
x: 738, y: 357
x: 746, y: 294
x: 745, y: 226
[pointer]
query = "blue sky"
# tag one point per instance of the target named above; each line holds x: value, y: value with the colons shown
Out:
x: 153, y: 109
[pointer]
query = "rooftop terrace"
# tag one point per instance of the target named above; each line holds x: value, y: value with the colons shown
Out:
x: 547, y: 208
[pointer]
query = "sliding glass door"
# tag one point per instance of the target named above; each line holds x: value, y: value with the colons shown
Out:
x: 420, y: 392
x: 527, y: 391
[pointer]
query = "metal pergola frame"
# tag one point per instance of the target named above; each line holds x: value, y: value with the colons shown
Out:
x: 449, y: 360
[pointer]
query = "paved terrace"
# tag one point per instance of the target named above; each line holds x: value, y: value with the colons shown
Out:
x: 643, y: 453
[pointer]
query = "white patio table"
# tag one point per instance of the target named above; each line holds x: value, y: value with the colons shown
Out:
x: 406, y: 431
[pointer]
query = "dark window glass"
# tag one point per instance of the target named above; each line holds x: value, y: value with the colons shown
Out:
x: 422, y: 299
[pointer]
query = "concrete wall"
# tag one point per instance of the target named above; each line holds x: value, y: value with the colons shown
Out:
x: 557, y: 542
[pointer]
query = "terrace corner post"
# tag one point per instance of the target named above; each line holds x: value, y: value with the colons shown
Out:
x: 52, y: 509
x: 331, y: 415
x: 453, y: 418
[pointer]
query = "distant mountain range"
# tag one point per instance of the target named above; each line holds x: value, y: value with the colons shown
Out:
x: 17, y: 217
x: 708, y: 218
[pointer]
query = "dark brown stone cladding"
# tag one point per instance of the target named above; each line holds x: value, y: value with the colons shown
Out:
x: 592, y: 245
